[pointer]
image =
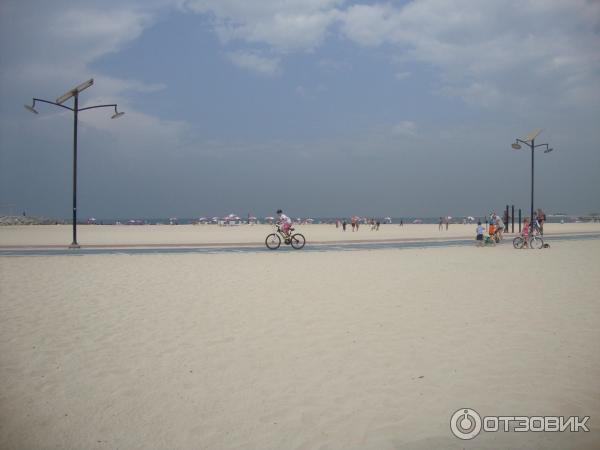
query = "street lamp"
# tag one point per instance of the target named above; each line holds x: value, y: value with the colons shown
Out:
x: 529, y: 141
x: 76, y: 109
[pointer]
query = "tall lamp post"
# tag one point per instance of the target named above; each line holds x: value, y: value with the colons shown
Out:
x: 76, y: 109
x: 529, y: 141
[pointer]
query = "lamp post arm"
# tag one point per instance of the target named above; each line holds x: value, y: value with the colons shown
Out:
x: 50, y: 103
x: 99, y: 106
x: 542, y: 145
x: 528, y: 144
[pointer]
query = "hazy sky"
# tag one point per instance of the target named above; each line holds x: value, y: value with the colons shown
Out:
x: 319, y: 107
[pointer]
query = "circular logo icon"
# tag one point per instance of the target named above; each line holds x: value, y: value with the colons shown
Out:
x: 465, y: 423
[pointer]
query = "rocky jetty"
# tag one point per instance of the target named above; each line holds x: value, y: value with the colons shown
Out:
x: 27, y: 220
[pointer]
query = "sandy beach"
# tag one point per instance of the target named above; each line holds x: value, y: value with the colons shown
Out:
x: 369, y: 349
x: 90, y: 235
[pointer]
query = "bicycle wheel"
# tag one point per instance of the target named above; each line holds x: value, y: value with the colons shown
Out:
x: 273, y: 241
x: 518, y: 242
x: 536, y: 242
x: 298, y: 241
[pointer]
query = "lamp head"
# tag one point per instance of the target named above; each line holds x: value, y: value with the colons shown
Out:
x: 516, y: 146
x: 75, y: 91
x: 548, y: 150
x: 117, y: 115
x: 30, y: 108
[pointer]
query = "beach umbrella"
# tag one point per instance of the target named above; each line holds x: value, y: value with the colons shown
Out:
x: 269, y: 218
x: 417, y: 221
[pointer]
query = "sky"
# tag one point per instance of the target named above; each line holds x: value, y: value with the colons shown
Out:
x: 323, y: 108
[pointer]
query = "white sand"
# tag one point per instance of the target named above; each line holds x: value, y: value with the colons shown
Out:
x: 296, y: 350
x: 249, y: 234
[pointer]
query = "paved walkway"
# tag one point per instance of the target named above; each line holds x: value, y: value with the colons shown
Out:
x: 53, y: 250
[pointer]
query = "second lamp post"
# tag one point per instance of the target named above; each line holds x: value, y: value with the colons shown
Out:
x: 529, y: 141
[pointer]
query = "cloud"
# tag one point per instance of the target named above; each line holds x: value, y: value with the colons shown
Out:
x: 254, y: 62
x: 292, y: 25
x: 488, y: 49
x: 402, y: 75
x: 64, y: 40
x: 518, y: 49
x: 405, y: 128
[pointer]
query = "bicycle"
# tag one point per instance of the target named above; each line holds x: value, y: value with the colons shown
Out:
x: 535, y: 240
x: 273, y: 240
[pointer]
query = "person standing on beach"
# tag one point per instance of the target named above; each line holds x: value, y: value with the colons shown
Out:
x: 499, y: 226
x: 492, y: 225
x: 440, y: 225
x: 446, y: 221
x: 541, y: 218
x: 479, y: 233
x: 401, y: 223
x: 344, y: 224
x: 525, y: 232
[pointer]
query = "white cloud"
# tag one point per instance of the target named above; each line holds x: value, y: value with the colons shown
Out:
x: 64, y: 39
x: 310, y: 92
x: 528, y: 49
x: 255, y: 62
x: 525, y: 49
x: 286, y: 26
x: 405, y: 128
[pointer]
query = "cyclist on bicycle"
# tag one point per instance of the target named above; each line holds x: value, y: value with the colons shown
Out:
x: 284, y: 222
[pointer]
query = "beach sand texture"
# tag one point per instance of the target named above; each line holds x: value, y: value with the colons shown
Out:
x: 370, y: 349
x: 243, y: 234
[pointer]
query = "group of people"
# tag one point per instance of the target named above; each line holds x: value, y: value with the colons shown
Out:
x: 354, y: 223
x: 496, y: 227
x: 374, y: 224
x: 495, y: 230
x: 539, y: 217
x: 444, y: 221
